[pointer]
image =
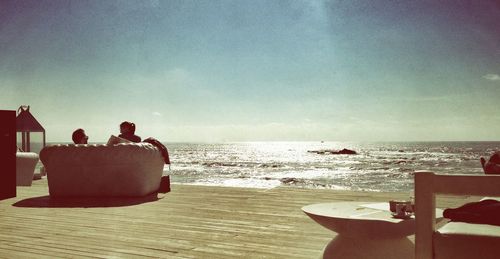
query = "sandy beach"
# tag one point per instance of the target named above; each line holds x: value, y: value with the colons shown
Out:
x: 189, y: 222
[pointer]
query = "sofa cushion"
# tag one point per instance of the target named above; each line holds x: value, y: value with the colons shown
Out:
x: 113, y: 140
x: 486, y: 211
x: 466, y: 240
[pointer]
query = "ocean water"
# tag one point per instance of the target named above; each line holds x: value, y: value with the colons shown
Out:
x: 376, y: 167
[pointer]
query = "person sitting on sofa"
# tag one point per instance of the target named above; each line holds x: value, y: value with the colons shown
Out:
x: 127, y: 130
x: 79, y: 137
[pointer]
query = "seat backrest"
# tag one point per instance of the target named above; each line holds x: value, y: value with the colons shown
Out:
x: 427, y: 185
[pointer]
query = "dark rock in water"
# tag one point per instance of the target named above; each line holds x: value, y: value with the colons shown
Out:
x: 346, y: 152
x: 287, y: 180
x: 334, y: 152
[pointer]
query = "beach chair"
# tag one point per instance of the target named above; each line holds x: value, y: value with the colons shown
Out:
x: 454, y: 239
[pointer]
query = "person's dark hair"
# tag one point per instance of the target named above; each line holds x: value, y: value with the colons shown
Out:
x: 128, y: 125
x: 78, y: 135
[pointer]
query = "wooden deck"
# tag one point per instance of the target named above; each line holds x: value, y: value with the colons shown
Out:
x: 189, y: 222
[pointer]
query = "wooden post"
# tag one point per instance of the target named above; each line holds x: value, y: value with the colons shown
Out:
x: 425, y: 214
x: 22, y: 141
x: 25, y: 142
x: 8, y: 150
x: 28, y: 142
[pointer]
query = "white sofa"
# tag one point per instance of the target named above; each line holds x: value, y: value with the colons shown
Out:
x: 25, y: 167
x: 121, y: 170
x: 455, y: 240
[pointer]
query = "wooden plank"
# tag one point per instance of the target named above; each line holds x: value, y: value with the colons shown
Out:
x: 189, y: 222
x: 482, y: 185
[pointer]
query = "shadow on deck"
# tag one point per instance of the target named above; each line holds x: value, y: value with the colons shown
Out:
x: 84, y: 202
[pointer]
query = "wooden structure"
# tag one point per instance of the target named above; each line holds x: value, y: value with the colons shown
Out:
x: 7, y: 154
x: 427, y: 186
x: 189, y: 222
x: 26, y: 123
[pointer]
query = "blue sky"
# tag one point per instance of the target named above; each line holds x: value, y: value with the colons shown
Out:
x: 255, y: 70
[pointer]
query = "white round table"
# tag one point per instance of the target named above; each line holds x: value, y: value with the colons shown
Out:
x: 364, y: 230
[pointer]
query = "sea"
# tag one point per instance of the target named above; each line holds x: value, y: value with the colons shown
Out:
x: 377, y: 166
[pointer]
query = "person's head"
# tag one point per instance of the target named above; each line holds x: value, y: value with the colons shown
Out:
x: 79, y: 137
x: 127, y: 128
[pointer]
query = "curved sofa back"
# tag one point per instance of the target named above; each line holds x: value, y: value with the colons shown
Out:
x: 125, y: 169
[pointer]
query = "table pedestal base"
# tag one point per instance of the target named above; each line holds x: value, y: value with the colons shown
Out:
x: 342, y: 247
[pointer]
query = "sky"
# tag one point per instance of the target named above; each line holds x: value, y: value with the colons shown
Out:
x: 222, y: 71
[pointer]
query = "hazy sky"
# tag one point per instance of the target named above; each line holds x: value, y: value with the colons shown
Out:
x: 255, y: 70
